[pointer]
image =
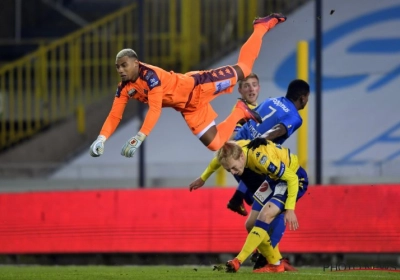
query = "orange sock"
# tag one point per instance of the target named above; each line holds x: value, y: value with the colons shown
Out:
x: 225, y: 129
x: 250, y: 50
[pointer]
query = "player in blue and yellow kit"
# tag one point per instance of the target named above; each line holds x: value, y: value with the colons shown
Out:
x: 281, y: 119
x: 286, y: 184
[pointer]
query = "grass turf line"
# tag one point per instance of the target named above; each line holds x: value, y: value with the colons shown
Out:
x: 173, y: 273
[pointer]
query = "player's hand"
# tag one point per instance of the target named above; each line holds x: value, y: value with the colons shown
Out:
x: 97, y: 148
x: 291, y: 220
x: 257, y: 142
x: 130, y: 147
x: 196, y: 184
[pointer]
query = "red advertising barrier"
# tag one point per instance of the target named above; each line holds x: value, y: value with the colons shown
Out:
x: 332, y: 219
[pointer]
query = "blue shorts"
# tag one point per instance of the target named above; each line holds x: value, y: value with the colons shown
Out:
x: 275, y: 191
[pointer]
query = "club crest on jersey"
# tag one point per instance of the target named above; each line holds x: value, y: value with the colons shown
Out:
x: 263, y: 160
x: 257, y: 154
x: 132, y: 92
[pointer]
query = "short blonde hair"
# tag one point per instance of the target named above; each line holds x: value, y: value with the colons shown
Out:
x: 251, y: 75
x: 229, y: 150
x: 126, y: 52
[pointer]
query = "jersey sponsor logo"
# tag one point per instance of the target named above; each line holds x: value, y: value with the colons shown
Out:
x: 271, y: 168
x: 263, y: 160
x: 263, y: 192
x: 280, y: 104
x: 264, y: 186
x: 132, y: 92
x: 220, y: 86
x: 153, y: 82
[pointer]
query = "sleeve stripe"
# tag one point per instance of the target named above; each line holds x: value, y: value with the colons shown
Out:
x: 281, y: 170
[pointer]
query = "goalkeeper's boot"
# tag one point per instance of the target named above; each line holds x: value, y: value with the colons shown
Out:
x: 260, y: 262
x: 270, y: 21
x: 287, y: 265
x: 232, y: 265
x: 248, y: 113
x: 270, y: 268
x: 237, y: 208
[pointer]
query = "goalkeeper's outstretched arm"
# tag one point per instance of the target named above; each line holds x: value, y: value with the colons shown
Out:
x: 109, y: 126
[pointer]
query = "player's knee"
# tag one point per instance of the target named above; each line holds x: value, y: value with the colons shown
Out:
x: 248, y: 225
x: 208, y: 134
x: 266, y: 216
x: 215, y: 144
x: 212, y: 140
x: 251, y: 220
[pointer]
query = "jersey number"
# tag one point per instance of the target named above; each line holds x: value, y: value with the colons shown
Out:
x: 273, y: 110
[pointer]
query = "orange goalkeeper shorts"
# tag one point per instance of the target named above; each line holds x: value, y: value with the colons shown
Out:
x: 209, y: 84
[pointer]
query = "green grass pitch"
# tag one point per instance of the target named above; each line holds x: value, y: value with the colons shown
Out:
x: 173, y: 273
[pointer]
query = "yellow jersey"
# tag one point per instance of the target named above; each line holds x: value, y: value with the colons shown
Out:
x: 272, y: 160
x: 277, y: 163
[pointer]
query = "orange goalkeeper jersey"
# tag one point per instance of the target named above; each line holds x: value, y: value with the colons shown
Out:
x: 155, y: 86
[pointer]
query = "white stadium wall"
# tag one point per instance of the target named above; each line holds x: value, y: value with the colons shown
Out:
x: 361, y: 99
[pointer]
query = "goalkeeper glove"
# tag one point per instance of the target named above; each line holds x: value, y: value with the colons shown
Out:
x: 130, y: 147
x: 97, y: 148
x: 257, y: 142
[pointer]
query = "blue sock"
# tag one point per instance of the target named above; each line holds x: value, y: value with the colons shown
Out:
x: 248, y: 197
x: 242, y: 187
x: 277, y: 229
